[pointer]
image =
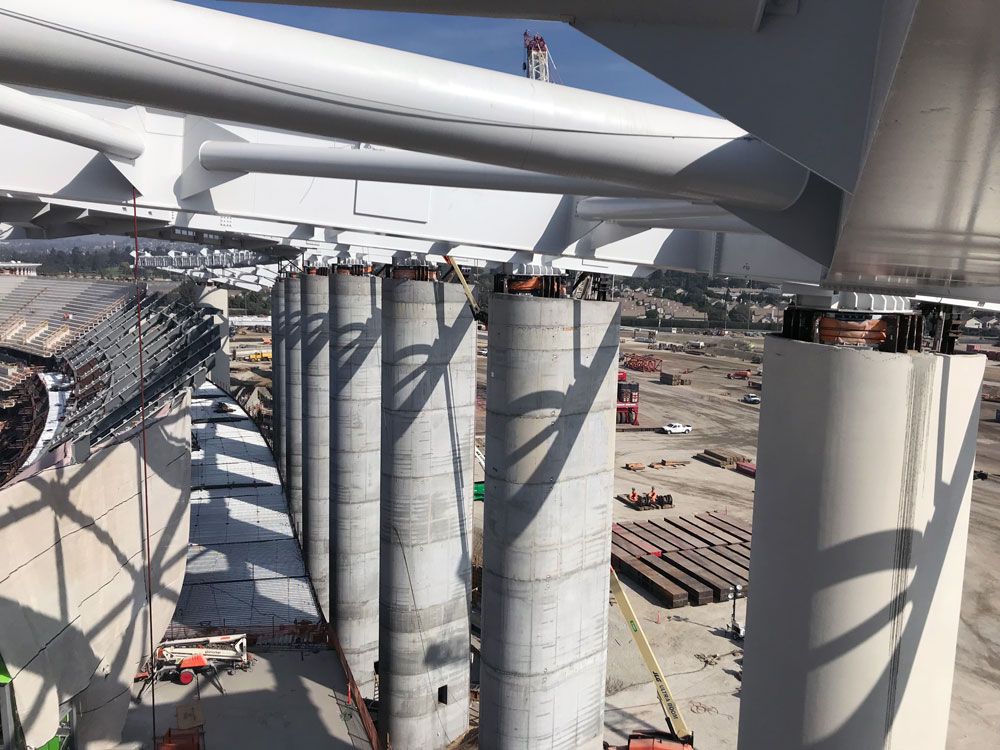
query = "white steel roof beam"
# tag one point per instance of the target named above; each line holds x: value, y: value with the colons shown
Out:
x: 394, y: 166
x: 26, y: 112
x: 620, y: 209
x: 192, y: 59
x: 737, y: 14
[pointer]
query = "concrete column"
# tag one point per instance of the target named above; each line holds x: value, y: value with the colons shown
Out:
x: 218, y: 297
x: 279, y: 409
x: 860, y: 523
x: 293, y: 400
x: 550, y: 427
x: 355, y: 456
x: 428, y: 404
x: 316, y: 434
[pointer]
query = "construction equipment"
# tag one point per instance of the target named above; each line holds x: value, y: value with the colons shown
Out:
x: 737, y: 630
x: 181, y: 660
x: 477, y: 312
x: 536, y: 57
x: 479, y: 488
x: 680, y: 737
x: 628, y: 402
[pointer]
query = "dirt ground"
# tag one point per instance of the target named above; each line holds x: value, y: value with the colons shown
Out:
x: 691, y: 643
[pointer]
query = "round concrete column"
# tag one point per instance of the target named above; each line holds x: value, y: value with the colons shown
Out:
x: 279, y: 411
x: 316, y: 434
x: 218, y: 297
x: 550, y: 426
x: 293, y: 399
x: 859, y: 532
x: 355, y: 456
x: 428, y: 409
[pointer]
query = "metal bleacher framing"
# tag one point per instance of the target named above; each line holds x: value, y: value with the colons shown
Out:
x: 99, y: 357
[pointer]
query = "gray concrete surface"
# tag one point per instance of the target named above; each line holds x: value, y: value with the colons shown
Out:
x: 74, y: 624
x: 355, y: 456
x: 293, y: 399
x: 279, y: 412
x: 860, y: 527
x: 316, y: 434
x: 550, y: 418
x: 428, y: 393
x: 288, y: 699
x: 709, y: 694
x: 218, y: 297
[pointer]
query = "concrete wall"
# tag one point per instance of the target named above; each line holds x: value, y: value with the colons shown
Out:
x: 218, y: 297
x: 550, y: 427
x: 860, y: 527
x: 355, y: 456
x: 428, y: 404
x: 73, y: 581
x: 316, y: 435
x: 279, y: 410
x: 293, y: 400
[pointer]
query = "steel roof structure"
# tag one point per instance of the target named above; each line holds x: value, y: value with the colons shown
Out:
x: 859, y: 150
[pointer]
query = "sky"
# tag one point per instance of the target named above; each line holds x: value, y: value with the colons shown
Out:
x: 493, y: 43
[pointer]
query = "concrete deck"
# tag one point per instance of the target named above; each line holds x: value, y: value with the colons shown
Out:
x: 289, y: 699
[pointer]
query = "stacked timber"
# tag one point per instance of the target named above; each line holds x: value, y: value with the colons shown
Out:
x: 685, y: 559
x: 669, y: 378
x: 722, y: 459
x: 749, y: 469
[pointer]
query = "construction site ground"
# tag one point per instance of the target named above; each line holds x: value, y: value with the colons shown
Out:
x: 695, y: 652
x: 289, y: 698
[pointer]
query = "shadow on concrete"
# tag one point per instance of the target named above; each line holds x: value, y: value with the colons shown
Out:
x: 57, y: 650
x: 919, y: 552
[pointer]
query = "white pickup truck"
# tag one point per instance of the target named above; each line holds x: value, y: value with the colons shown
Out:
x: 676, y: 428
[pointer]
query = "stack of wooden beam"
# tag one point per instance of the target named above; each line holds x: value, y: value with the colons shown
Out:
x: 669, y: 378
x: 723, y: 459
x: 685, y: 559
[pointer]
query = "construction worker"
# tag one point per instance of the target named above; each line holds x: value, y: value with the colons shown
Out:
x: 634, y: 497
x: 652, y: 495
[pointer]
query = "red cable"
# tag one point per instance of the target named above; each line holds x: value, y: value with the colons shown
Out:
x: 145, y: 465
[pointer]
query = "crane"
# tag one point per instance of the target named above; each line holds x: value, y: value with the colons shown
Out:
x: 536, y: 57
x: 680, y: 736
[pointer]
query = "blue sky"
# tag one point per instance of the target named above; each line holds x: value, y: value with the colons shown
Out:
x: 485, y: 42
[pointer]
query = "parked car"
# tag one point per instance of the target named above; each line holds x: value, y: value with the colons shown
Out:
x: 676, y: 428
x: 751, y: 398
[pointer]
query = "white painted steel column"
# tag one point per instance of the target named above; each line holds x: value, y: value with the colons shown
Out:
x: 550, y: 426
x: 316, y: 434
x: 428, y: 411
x: 860, y: 524
x: 293, y: 399
x: 279, y: 411
x: 218, y: 297
x: 355, y: 456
